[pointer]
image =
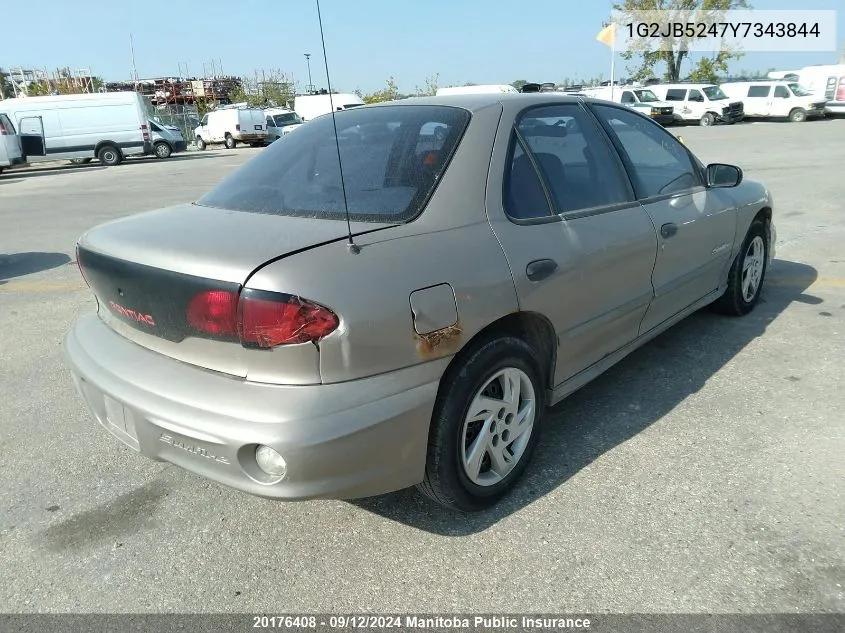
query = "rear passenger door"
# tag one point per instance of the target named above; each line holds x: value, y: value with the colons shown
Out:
x: 580, y: 248
x: 695, y: 225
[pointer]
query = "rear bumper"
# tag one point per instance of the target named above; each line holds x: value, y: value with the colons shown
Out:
x: 345, y: 440
x: 251, y: 138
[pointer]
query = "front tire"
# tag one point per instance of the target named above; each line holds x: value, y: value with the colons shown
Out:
x: 707, y: 120
x: 798, y: 115
x: 200, y: 143
x: 485, y: 426
x: 162, y: 150
x: 745, y: 278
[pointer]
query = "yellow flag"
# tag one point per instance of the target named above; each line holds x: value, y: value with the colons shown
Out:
x: 607, y: 35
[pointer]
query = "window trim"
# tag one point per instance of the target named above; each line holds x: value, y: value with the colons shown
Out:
x: 557, y: 215
x: 515, y: 139
x: 629, y: 166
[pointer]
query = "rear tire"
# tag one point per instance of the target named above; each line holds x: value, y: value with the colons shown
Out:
x: 162, y: 150
x: 798, y: 115
x: 707, y: 120
x: 230, y: 142
x: 475, y: 460
x: 745, y: 278
x: 200, y: 143
x: 110, y: 156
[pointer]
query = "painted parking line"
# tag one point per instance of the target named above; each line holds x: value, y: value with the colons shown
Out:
x: 12, y: 287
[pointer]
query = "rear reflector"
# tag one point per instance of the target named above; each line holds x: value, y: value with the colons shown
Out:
x: 260, y: 319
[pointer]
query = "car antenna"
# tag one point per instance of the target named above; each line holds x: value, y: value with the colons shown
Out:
x: 352, y: 246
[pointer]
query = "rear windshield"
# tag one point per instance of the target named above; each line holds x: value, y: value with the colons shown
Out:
x: 392, y: 158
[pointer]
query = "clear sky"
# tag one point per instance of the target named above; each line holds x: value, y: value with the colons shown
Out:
x: 480, y: 41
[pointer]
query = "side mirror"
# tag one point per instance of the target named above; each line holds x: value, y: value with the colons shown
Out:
x: 721, y: 175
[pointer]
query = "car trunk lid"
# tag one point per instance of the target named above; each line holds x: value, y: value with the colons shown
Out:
x: 146, y: 269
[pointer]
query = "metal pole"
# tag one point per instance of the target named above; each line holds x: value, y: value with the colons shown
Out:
x: 134, y: 68
x: 308, y: 61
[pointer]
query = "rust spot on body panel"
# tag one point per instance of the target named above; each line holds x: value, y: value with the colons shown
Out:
x: 440, y: 342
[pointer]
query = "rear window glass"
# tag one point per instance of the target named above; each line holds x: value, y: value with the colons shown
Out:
x: 391, y: 158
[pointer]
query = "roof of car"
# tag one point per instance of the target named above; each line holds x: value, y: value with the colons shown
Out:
x: 474, y: 102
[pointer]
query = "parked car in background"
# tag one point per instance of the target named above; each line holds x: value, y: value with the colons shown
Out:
x: 10, y: 144
x: 775, y: 99
x: 825, y: 82
x: 107, y: 126
x: 705, y: 104
x: 166, y: 139
x: 231, y: 126
x: 311, y: 106
x: 638, y: 98
x: 296, y: 335
x: 280, y: 122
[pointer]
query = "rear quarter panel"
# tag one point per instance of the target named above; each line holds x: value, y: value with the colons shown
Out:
x: 451, y: 242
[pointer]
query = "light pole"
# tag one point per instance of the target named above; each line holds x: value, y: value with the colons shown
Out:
x: 308, y: 61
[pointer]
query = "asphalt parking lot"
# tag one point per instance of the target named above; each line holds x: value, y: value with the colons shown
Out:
x: 703, y: 473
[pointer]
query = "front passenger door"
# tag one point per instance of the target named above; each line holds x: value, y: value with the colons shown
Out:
x: 695, y: 225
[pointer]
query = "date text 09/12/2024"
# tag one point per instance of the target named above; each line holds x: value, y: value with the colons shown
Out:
x: 422, y: 622
x: 722, y: 30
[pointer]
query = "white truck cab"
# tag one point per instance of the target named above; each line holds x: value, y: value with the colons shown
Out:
x: 312, y: 106
x: 705, y: 104
x: 281, y: 122
x: 639, y: 98
x: 776, y: 99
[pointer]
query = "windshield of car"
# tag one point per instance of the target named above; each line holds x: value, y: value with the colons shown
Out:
x: 289, y: 118
x: 646, y: 96
x: 391, y: 158
x: 799, y: 91
x: 714, y: 93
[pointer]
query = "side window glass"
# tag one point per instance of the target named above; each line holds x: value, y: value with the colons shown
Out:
x: 659, y: 163
x: 781, y: 92
x: 695, y: 95
x: 628, y: 97
x: 574, y: 159
x: 758, y: 91
x: 676, y: 94
x: 204, y: 120
x: 524, y: 195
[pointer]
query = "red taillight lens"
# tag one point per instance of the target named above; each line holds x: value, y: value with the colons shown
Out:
x: 268, y: 321
x: 214, y: 312
x: 3, y: 131
x: 260, y: 319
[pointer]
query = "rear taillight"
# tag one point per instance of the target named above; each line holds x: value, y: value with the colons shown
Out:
x: 214, y: 312
x: 145, y: 132
x: 238, y: 127
x: 260, y: 319
x: 3, y: 131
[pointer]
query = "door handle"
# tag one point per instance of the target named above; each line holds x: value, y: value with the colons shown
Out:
x: 668, y: 229
x: 540, y: 269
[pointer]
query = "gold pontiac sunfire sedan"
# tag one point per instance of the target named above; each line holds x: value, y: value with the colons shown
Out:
x: 324, y: 328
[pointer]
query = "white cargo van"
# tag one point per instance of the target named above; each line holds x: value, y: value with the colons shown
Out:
x: 706, y: 104
x: 826, y: 82
x: 477, y: 90
x: 108, y: 126
x: 231, y: 126
x: 775, y: 100
x: 311, y: 106
x: 281, y: 122
x: 636, y: 97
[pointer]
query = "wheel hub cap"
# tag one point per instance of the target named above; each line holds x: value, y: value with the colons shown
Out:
x: 497, y: 427
x: 752, y: 268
